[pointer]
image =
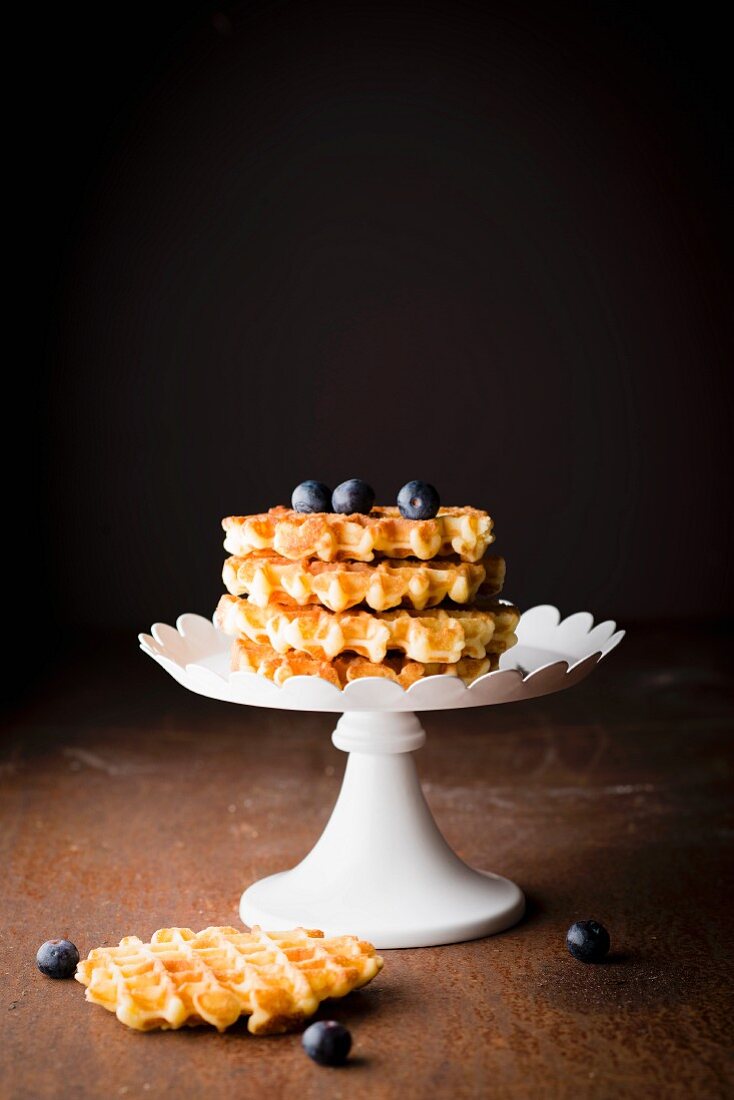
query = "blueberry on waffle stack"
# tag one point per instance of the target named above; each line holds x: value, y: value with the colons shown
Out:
x: 357, y: 590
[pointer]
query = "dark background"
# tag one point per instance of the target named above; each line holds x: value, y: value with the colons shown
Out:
x: 275, y: 241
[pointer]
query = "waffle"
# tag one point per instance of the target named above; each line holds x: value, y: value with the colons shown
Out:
x: 215, y: 976
x: 384, y: 532
x: 431, y: 636
x: 249, y: 657
x: 265, y: 578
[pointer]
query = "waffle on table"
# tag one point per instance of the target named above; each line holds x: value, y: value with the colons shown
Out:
x: 184, y: 978
x: 344, y: 597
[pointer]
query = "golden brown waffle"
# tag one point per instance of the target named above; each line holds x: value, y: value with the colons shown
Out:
x: 266, y: 578
x: 384, y: 532
x: 279, y: 667
x: 430, y: 636
x: 213, y: 977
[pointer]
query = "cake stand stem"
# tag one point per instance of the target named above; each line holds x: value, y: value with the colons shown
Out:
x: 382, y: 869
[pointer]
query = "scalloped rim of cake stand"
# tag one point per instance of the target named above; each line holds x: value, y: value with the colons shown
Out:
x: 551, y: 654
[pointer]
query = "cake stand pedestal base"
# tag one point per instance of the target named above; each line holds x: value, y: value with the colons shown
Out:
x: 382, y: 869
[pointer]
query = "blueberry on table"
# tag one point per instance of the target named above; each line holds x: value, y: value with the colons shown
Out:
x: 327, y: 1042
x: 57, y: 958
x: 311, y: 496
x: 588, y: 941
x: 418, y: 500
x: 353, y: 496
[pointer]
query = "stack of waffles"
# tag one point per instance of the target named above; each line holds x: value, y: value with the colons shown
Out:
x: 349, y: 596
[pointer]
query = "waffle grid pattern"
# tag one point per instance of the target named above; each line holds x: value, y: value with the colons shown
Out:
x: 182, y: 978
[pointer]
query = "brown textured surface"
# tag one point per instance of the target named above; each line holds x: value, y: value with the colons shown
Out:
x: 128, y: 805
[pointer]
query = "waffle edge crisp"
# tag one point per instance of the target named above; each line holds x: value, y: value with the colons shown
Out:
x: 266, y: 577
x: 249, y: 657
x: 431, y: 636
x: 330, y: 536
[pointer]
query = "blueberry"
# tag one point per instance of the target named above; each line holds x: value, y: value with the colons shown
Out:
x: 418, y: 500
x: 311, y: 496
x: 327, y: 1042
x: 57, y: 958
x: 588, y: 941
x: 352, y: 496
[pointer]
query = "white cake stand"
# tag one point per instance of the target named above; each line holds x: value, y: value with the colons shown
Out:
x: 381, y: 869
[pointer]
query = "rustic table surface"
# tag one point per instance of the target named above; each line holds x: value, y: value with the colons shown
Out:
x: 129, y: 804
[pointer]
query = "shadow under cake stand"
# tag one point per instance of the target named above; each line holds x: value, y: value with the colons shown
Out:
x: 382, y: 869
